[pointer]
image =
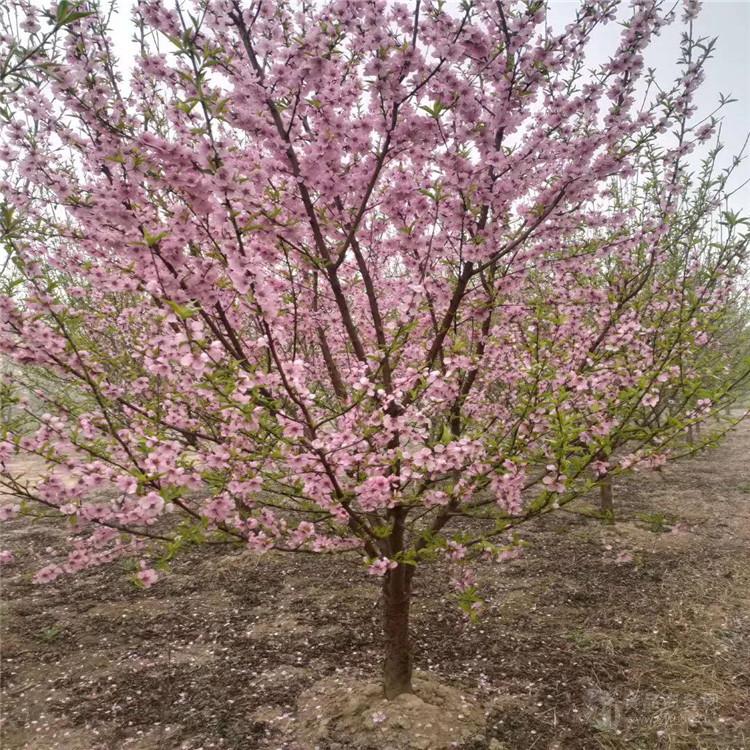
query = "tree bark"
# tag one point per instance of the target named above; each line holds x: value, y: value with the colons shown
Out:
x: 397, y: 667
x: 607, y: 505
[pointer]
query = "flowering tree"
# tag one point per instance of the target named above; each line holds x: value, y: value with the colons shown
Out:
x: 322, y: 278
x: 684, y: 355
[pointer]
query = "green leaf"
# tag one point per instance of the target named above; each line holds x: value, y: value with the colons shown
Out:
x: 152, y: 240
x: 66, y: 14
x: 182, y: 311
x: 382, y: 532
x: 73, y: 17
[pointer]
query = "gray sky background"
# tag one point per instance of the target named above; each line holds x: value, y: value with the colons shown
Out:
x: 728, y: 72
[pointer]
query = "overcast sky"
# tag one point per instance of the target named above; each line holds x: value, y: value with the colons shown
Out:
x: 728, y: 72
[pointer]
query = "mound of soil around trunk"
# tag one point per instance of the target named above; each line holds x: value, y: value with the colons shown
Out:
x: 354, y: 714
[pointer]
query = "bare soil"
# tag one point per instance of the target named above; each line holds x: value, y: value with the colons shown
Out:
x: 635, y: 635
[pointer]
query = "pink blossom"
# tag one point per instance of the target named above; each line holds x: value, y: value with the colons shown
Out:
x: 507, y: 555
x: 651, y: 399
x: 219, y: 509
x: 465, y: 578
x: 554, y: 481
x: 601, y: 468
x: 374, y: 493
x: 691, y: 9
x: 456, y: 551
x: 381, y: 566
x: 8, y: 511
x: 147, y: 577
x: 151, y: 505
x: 48, y: 574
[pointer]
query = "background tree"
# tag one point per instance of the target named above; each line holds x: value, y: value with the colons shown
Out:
x: 692, y: 362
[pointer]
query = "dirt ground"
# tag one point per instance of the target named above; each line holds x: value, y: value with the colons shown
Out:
x: 635, y: 635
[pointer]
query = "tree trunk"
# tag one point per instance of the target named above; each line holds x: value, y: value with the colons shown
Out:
x: 607, y: 505
x: 397, y: 667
